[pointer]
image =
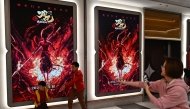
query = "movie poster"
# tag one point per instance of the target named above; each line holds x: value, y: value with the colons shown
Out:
x: 42, y: 47
x: 118, y: 51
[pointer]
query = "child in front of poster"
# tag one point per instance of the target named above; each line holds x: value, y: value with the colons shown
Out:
x: 41, y: 96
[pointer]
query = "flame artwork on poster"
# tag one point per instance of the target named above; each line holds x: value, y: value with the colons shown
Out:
x: 42, y: 47
x: 118, y: 51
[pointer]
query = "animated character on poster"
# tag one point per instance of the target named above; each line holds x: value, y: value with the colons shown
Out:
x: 120, y: 24
x: 45, y: 16
x: 41, y: 49
x: 118, y: 51
x: 46, y: 65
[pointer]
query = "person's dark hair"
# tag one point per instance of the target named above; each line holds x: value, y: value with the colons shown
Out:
x: 42, y: 83
x: 173, y: 67
x: 76, y: 64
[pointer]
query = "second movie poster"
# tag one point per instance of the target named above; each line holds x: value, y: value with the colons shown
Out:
x: 118, y: 51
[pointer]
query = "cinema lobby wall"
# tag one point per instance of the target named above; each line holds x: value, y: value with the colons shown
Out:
x: 86, y: 50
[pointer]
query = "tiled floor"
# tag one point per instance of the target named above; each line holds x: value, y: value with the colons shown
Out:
x: 141, y: 105
x: 115, y: 107
x: 147, y: 104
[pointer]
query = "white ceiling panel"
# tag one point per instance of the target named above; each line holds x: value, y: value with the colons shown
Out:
x: 178, y: 6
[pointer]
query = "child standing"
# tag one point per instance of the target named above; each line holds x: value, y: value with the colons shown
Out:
x: 41, y: 96
x: 77, y: 85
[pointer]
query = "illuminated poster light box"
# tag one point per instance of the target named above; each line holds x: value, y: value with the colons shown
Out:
x: 117, y: 45
x: 41, y: 43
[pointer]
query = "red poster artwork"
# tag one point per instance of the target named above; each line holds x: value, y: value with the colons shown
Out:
x: 118, y: 46
x: 42, y: 47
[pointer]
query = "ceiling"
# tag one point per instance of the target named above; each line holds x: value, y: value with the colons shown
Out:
x: 179, y: 6
x: 183, y: 3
